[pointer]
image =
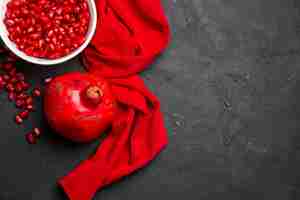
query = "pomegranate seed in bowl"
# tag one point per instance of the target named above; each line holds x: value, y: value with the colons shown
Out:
x: 47, y: 29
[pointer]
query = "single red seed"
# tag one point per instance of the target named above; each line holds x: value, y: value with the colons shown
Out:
x: 11, y: 96
x: 6, y: 77
x: 22, y: 96
x: 9, y: 22
x: 18, y: 119
x: 2, y: 84
x: 25, y: 85
x: 30, y: 107
x: 20, y: 103
x: 24, y: 114
x: 10, y: 87
x: 47, y: 80
x: 37, y: 132
x: 20, y: 76
x: 18, y: 87
x: 31, y: 138
x: 12, y: 72
x: 13, y: 80
x: 7, y: 66
x: 29, y: 100
x: 36, y: 92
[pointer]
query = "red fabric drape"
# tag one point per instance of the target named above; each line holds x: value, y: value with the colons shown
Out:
x: 129, y: 35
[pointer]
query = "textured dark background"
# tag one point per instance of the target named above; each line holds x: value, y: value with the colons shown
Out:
x: 230, y: 90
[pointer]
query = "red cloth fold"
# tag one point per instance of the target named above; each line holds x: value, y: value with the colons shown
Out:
x: 129, y: 35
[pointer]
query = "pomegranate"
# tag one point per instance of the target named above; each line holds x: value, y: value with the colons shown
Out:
x: 47, y: 28
x: 79, y: 106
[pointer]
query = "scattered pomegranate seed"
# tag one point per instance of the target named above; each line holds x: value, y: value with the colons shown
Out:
x: 18, y: 88
x: 20, y: 76
x: 29, y: 100
x: 7, y: 66
x: 18, y: 119
x: 13, y: 80
x: 36, y: 92
x: 11, y: 96
x: 25, y: 85
x: 24, y: 114
x: 37, y: 132
x: 30, y: 107
x: 2, y: 82
x: 20, y: 103
x: 10, y: 87
x: 30, y: 138
x: 6, y: 77
x: 22, y: 96
x: 12, y: 72
x: 47, y: 80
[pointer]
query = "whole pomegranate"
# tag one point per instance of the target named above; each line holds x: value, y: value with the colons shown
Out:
x: 79, y: 106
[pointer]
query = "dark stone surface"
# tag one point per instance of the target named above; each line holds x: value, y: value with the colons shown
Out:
x: 229, y: 86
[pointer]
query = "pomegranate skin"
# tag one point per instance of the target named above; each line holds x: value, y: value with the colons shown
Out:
x: 70, y: 112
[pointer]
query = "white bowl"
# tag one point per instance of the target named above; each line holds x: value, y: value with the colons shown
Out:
x: 41, y: 61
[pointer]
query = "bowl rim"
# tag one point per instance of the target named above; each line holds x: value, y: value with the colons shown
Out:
x: 48, y: 62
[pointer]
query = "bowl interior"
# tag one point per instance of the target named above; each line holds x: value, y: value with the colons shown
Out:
x: 41, y: 61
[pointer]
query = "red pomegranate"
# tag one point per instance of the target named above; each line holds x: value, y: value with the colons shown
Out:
x: 79, y: 106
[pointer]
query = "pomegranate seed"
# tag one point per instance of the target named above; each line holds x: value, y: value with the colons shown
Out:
x: 36, y: 92
x: 11, y: 96
x: 7, y: 66
x: 18, y: 88
x: 24, y: 114
x: 30, y: 107
x: 2, y: 84
x: 20, y: 76
x: 10, y: 87
x: 30, y: 138
x: 18, y: 120
x: 12, y: 72
x: 29, y: 51
x: 22, y: 96
x: 6, y: 77
x: 47, y: 80
x: 9, y: 22
x: 1, y: 78
x: 29, y: 100
x: 37, y: 132
x: 25, y: 85
x: 20, y: 103
x: 13, y: 80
